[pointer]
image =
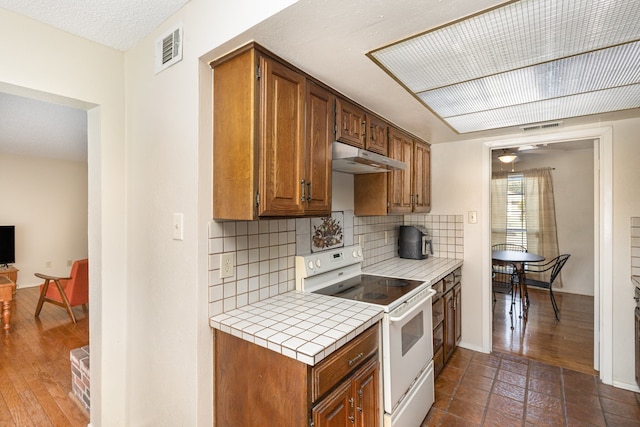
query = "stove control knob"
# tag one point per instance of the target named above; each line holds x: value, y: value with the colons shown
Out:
x: 355, y: 254
x: 310, y: 265
x: 318, y: 263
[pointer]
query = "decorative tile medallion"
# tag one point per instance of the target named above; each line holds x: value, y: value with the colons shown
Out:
x: 327, y: 233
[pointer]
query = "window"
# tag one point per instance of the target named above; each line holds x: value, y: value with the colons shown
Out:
x: 516, y: 219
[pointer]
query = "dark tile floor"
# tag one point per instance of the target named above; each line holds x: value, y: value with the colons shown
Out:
x: 498, y: 389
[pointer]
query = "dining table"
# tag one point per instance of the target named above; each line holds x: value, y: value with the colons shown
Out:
x: 518, y: 259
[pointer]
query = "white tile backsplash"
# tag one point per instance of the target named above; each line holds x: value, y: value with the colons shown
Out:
x: 265, y: 250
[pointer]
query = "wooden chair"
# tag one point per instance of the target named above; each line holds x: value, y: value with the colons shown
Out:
x: 68, y: 291
x: 555, y: 265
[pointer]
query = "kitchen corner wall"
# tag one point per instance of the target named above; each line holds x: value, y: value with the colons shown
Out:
x: 264, y: 251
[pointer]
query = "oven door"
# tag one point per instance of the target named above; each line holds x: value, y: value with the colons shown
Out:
x: 407, y: 346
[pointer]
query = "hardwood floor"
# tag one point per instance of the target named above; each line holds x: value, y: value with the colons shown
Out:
x: 567, y: 343
x: 35, y: 371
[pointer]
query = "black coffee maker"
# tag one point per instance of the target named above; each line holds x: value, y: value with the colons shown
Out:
x: 413, y: 241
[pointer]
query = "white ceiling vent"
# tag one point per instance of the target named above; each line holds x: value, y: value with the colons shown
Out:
x: 169, y: 49
x: 539, y: 126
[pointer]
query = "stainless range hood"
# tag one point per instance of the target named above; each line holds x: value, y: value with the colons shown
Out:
x: 354, y: 160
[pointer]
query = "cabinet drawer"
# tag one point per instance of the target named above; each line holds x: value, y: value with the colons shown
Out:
x: 452, y: 279
x: 338, y: 365
x: 437, y: 311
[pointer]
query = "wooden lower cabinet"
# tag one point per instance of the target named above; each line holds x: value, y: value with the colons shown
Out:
x: 447, y: 319
x: 353, y: 403
x: 453, y: 320
x: 255, y: 386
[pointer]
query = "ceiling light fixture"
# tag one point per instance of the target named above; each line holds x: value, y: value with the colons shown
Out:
x: 507, y: 157
x: 524, y: 62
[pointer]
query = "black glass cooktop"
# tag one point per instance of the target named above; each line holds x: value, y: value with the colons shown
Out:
x: 380, y: 290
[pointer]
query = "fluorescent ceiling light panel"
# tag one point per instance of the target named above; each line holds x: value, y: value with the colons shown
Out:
x: 505, y: 66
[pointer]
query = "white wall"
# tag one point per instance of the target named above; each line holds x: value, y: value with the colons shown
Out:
x: 456, y: 176
x: 46, y: 199
x: 169, y: 153
x: 573, y: 190
x: 626, y: 204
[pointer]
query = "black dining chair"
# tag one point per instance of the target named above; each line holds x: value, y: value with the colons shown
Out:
x: 505, y: 276
x: 555, y: 265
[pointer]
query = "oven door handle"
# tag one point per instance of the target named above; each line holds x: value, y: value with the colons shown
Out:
x: 418, y: 305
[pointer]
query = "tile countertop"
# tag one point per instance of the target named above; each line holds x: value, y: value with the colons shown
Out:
x: 429, y: 270
x: 309, y: 327
x: 306, y: 327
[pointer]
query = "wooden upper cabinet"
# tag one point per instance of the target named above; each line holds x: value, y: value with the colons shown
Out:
x: 272, y: 139
x: 376, y: 135
x: 400, y: 182
x: 282, y: 140
x: 397, y: 192
x: 422, y: 177
x: 350, y: 123
x: 319, y: 136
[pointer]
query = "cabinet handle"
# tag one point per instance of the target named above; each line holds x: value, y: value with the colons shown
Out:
x: 302, y: 198
x: 309, y: 188
x: 360, y: 400
x: 352, y: 417
x: 355, y: 359
x: 364, y: 130
x: 373, y: 134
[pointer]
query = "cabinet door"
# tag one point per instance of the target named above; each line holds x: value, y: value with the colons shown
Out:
x: 457, y: 306
x: 366, y: 388
x: 336, y: 409
x: 400, y: 148
x: 350, y: 123
x: 422, y: 177
x: 319, y: 136
x: 449, y: 325
x: 376, y: 135
x: 282, y: 140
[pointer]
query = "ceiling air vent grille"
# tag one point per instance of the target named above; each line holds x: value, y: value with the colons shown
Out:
x: 169, y: 49
x: 539, y: 126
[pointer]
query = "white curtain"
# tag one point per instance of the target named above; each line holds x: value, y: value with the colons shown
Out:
x: 540, y: 211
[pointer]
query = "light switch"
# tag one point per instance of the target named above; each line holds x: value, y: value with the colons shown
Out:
x: 473, y: 217
x: 178, y: 233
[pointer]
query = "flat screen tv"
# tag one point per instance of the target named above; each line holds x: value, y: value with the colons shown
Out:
x: 7, y: 244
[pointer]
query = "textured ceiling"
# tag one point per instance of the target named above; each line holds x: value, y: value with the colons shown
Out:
x: 29, y: 127
x: 116, y: 23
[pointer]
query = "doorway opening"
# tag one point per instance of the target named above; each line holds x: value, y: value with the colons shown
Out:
x: 535, y: 333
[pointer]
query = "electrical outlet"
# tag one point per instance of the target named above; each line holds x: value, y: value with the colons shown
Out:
x: 47, y: 264
x: 386, y: 237
x: 69, y: 263
x: 226, y: 265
